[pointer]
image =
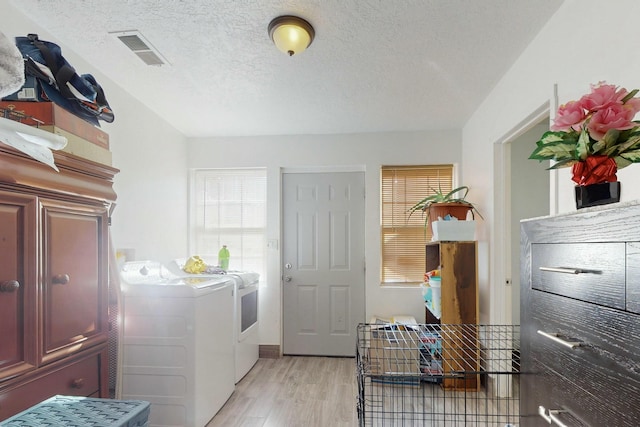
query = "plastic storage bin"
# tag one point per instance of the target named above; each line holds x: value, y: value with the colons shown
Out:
x: 74, y: 411
x: 453, y: 230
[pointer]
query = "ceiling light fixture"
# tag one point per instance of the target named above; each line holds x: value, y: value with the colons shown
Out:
x: 291, y: 34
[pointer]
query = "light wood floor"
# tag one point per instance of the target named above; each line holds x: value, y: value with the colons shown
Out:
x: 294, y: 391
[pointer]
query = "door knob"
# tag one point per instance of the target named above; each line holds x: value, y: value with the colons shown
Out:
x: 60, y: 279
x: 9, y: 286
x: 287, y: 278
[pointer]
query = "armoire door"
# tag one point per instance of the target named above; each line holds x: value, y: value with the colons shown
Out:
x: 75, y: 279
x: 17, y: 283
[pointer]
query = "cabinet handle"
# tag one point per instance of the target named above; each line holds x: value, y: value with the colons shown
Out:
x: 543, y: 413
x: 565, y: 270
x: 60, y: 279
x: 552, y: 418
x: 9, y: 286
x: 556, y: 338
x: 77, y: 383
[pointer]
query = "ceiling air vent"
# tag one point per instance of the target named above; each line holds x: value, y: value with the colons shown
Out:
x: 141, y: 47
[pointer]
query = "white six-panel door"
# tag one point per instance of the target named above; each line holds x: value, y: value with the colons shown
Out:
x: 323, y: 257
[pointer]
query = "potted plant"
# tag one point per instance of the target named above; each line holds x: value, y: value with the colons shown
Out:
x: 595, y: 135
x: 440, y: 204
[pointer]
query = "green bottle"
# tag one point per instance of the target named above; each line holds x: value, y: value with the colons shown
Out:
x: 223, y: 258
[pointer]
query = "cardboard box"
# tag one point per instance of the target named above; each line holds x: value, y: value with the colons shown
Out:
x: 83, y: 148
x: 50, y: 114
x: 453, y: 231
x: 394, y: 350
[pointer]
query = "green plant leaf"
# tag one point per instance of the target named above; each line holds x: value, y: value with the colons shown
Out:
x: 630, y: 144
x: 632, y: 156
x: 622, y: 162
x: 629, y: 95
x: 551, y: 137
x: 582, y: 147
x: 559, y: 150
x: 556, y: 146
x: 449, y: 195
x: 563, y: 164
x: 609, y: 140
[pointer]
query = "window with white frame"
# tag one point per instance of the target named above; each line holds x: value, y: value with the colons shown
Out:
x: 403, y: 237
x: 229, y: 207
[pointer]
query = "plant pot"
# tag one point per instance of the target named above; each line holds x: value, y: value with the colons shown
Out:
x: 597, y: 194
x: 457, y: 210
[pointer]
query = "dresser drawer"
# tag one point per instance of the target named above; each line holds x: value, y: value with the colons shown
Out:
x: 605, y: 363
x: 80, y: 378
x: 550, y: 390
x: 600, y: 268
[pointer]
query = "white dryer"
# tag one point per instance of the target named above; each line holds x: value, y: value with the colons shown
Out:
x: 178, y: 351
x: 246, y: 333
x: 246, y: 323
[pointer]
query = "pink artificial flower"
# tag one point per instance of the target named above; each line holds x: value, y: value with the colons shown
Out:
x: 633, y: 104
x: 569, y: 115
x: 616, y: 116
x: 602, y: 96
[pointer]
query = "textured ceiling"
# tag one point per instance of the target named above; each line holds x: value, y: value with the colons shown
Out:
x: 374, y: 66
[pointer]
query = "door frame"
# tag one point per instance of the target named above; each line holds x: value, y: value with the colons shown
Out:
x: 500, y: 312
x: 308, y: 170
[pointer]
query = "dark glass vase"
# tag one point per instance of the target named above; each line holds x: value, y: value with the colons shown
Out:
x: 597, y: 194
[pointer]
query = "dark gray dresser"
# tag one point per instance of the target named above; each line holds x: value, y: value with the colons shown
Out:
x: 580, y: 318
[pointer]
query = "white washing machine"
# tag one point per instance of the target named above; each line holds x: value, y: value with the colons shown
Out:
x: 246, y: 333
x: 178, y: 351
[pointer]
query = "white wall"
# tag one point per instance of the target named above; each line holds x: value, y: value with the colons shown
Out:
x: 586, y: 41
x: 362, y: 151
x: 151, y: 213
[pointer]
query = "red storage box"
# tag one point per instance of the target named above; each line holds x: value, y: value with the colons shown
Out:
x: 53, y: 118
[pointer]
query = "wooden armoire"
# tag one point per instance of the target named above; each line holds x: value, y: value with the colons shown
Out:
x: 54, y: 256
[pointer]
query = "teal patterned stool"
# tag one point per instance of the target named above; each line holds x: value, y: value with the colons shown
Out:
x: 72, y: 411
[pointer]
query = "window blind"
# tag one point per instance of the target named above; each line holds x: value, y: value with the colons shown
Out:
x: 404, y: 237
x: 229, y: 208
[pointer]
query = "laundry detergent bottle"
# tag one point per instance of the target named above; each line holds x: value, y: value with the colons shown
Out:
x: 223, y: 258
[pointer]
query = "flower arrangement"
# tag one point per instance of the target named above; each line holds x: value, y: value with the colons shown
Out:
x: 595, y: 135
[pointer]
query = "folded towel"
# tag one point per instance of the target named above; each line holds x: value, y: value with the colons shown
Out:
x: 11, y: 67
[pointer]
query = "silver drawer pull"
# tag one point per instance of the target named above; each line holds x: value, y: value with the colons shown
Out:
x: 565, y: 270
x: 556, y: 338
x: 543, y: 413
x: 552, y: 418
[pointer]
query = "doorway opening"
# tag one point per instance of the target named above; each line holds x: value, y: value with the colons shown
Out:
x: 522, y: 190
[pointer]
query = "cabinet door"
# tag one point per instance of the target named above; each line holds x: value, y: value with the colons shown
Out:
x: 74, y: 277
x: 17, y: 283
